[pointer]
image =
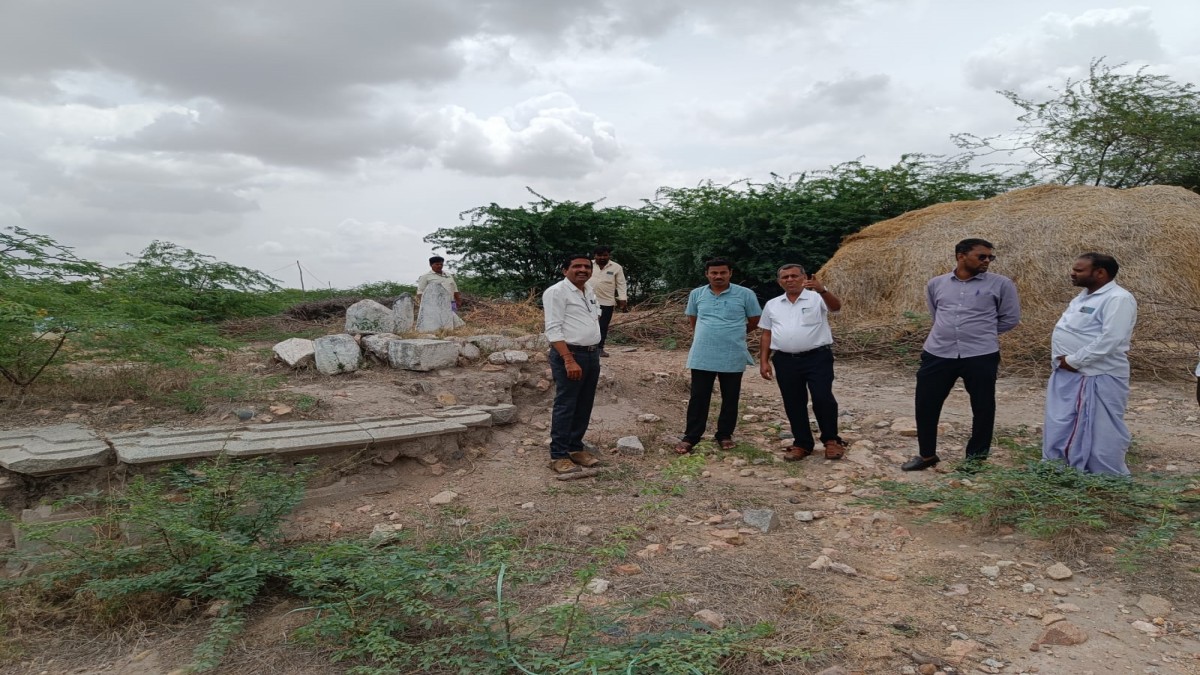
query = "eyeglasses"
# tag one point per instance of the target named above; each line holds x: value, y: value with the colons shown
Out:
x: 985, y: 256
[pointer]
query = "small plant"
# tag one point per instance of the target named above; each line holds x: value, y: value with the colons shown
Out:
x: 208, y: 533
x: 1051, y: 501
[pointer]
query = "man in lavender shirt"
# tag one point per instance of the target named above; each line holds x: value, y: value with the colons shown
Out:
x: 970, y: 308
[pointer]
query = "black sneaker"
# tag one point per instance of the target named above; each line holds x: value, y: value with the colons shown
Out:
x: 920, y: 463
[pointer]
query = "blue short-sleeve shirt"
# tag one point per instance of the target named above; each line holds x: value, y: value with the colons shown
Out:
x: 719, y: 344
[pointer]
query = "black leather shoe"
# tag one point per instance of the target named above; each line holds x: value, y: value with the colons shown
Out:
x: 920, y: 463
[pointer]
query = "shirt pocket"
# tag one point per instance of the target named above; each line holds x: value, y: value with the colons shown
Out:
x: 810, y: 316
x: 1083, y: 318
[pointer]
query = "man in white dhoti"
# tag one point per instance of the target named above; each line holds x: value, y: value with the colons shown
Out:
x: 1089, y: 380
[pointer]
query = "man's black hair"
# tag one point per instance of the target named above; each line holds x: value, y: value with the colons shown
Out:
x: 602, y: 249
x: 436, y: 259
x: 967, y: 245
x: 566, y: 263
x: 717, y: 262
x: 1101, y: 261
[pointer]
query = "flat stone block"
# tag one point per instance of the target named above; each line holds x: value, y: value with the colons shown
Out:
x: 158, y: 444
x: 377, y: 345
x: 60, y: 448
x: 422, y: 355
x: 271, y: 439
x: 503, y: 413
x: 295, y: 352
x: 492, y: 343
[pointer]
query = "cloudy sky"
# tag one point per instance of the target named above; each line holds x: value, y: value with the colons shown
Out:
x: 340, y: 133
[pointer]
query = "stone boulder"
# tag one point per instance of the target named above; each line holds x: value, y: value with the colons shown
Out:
x: 508, y: 356
x: 403, y: 314
x: 367, y: 316
x: 435, y: 315
x: 295, y: 352
x: 377, y: 345
x: 336, y: 354
x: 422, y: 355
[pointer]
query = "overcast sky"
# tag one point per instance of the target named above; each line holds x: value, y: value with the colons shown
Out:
x: 340, y: 133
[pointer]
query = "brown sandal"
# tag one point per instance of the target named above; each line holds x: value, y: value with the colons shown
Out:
x: 684, y: 448
x: 796, y: 453
x: 834, y: 449
x: 727, y: 444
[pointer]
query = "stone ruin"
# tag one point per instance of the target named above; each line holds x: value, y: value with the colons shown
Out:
x: 372, y: 333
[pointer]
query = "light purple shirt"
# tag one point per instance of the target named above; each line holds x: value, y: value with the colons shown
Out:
x: 969, y: 316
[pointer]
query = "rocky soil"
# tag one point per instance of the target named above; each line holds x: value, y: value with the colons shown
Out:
x: 873, y: 591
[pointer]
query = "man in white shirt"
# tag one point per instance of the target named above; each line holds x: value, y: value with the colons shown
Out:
x: 796, y: 338
x: 1089, y: 381
x: 573, y: 329
x: 437, y: 276
x: 609, y: 284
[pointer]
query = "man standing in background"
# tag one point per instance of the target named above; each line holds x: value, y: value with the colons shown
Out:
x: 1089, y: 381
x: 609, y: 285
x: 969, y: 308
x: 437, y: 276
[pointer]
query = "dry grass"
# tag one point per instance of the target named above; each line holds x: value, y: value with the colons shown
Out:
x: 880, y: 273
x: 503, y: 316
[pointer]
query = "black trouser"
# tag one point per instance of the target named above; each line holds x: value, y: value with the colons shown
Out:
x: 606, y: 312
x: 697, y: 410
x: 573, y: 400
x: 935, y: 379
x: 799, y: 374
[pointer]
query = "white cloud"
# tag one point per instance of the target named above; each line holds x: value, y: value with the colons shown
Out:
x: 1058, y: 46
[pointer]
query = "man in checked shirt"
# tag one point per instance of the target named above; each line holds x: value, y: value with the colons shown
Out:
x: 970, y: 308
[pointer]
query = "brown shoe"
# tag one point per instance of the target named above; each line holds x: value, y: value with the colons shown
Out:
x: 835, y: 449
x: 796, y: 453
x: 584, y: 458
x: 727, y: 444
x: 563, y: 465
x: 683, y: 448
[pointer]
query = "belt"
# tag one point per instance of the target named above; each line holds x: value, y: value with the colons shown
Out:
x: 583, y: 348
x: 815, y: 350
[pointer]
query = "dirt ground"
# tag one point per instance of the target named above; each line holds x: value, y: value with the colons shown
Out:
x: 921, y: 592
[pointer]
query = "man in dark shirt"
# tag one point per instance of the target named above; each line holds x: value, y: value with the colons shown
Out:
x: 969, y: 308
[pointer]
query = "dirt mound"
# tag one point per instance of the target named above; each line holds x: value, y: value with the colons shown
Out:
x: 880, y: 273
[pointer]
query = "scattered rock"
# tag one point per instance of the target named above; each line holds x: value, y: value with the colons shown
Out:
x: 1063, y: 633
x: 732, y: 537
x: 583, y: 531
x: 385, y: 531
x: 956, y: 589
x: 1067, y: 607
x: 1052, y: 618
x: 295, y: 352
x: 598, y: 585
x: 713, y: 620
x: 958, y: 650
x: 650, y: 551
x: 1146, y: 627
x: 631, y: 446
x: 805, y: 516
x: 648, y: 417
x: 763, y: 519
x: 1059, y: 572
x: 1154, y: 606
x: 628, y: 569
x: 442, y: 498
x: 904, y: 426
x: 990, y: 571
x: 824, y: 563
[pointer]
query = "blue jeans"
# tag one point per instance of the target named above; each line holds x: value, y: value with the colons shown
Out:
x: 573, y: 401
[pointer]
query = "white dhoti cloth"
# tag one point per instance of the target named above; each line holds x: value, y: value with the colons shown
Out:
x: 1085, y: 422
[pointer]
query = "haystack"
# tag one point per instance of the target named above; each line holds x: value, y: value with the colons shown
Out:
x: 1154, y: 232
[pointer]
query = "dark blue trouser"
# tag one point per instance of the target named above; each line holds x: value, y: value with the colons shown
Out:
x: 697, y: 410
x: 606, y: 312
x: 573, y: 401
x: 935, y: 379
x: 799, y: 374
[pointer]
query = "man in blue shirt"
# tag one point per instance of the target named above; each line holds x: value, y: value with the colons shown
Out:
x: 720, y: 314
x: 969, y: 308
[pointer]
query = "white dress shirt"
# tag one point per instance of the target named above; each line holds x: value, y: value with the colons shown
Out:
x: 1095, y: 331
x: 797, y: 326
x: 572, y: 315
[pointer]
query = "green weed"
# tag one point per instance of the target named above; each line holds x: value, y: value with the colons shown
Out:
x: 1050, y: 501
